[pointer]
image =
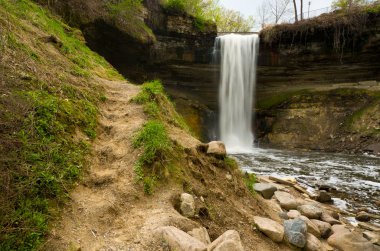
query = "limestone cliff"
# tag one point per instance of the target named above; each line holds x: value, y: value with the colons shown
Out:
x: 317, y: 83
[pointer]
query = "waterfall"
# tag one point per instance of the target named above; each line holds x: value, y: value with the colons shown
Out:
x: 238, y: 61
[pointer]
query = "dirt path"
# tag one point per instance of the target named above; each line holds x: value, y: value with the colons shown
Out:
x: 108, y: 210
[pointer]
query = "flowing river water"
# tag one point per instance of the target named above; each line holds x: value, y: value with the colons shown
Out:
x: 356, y: 178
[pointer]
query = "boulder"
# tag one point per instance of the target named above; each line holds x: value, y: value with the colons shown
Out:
x: 179, y: 240
x: 313, y: 243
x: 324, y: 228
x: 270, y: 228
x: 217, y: 148
x: 286, y: 200
x: 229, y: 241
x: 292, y: 214
x: 310, y: 211
x: 311, y: 227
x: 200, y: 234
x: 324, y: 197
x: 350, y: 241
x: 187, y: 205
x: 265, y: 189
x: 363, y: 216
x: 329, y: 219
x: 295, y: 232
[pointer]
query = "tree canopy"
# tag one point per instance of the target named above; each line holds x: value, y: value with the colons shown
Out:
x: 211, y: 11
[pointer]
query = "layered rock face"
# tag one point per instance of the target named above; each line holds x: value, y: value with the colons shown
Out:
x: 318, y: 83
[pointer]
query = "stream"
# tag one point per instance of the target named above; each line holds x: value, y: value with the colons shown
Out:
x: 356, y: 178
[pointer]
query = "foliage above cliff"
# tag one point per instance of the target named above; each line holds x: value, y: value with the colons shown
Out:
x: 48, y: 117
x: 210, y: 11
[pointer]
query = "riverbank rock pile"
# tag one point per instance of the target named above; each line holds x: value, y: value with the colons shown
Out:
x: 308, y: 224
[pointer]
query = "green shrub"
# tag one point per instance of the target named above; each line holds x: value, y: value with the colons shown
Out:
x: 176, y: 5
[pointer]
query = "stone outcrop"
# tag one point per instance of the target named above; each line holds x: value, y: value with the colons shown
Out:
x: 217, y: 148
x: 200, y: 234
x: 187, y: 205
x: 310, y: 211
x: 229, y: 241
x: 270, y: 228
x: 350, y: 241
x: 265, y: 189
x: 295, y: 232
x: 179, y: 240
x: 286, y: 200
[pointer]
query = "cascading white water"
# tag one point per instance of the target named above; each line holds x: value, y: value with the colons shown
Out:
x: 238, y: 61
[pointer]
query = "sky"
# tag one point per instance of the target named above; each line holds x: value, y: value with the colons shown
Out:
x: 249, y: 7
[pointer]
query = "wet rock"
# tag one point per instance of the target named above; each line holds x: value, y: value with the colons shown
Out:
x: 313, y: 243
x: 265, y: 189
x: 311, y: 227
x: 270, y: 228
x: 292, y: 214
x: 295, y: 232
x: 329, y: 219
x: 372, y: 237
x: 187, y: 205
x: 363, y: 216
x: 200, y: 234
x: 310, y: 211
x: 217, y: 148
x: 179, y: 240
x: 350, y: 241
x: 229, y: 241
x: 324, y: 197
x: 286, y: 200
x: 323, y: 227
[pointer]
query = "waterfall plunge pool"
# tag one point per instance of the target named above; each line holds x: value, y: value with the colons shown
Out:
x: 356, y: 178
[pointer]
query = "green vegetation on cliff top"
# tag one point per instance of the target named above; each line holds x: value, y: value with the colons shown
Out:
x: 48, y: 117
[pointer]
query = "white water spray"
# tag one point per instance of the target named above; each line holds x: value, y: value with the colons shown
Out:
x: 238, y: 60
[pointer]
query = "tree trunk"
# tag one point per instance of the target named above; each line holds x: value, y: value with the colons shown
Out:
x: 295, y: 10
x: 301, y: 10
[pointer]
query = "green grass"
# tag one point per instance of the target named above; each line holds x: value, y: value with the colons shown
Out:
x: 158, y: 106
x: 250, y: 181
x: 159, y: 157
x: 71, y: 47
x: 157, y: 146
x: 50, y: 115
x: 49, y: 163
